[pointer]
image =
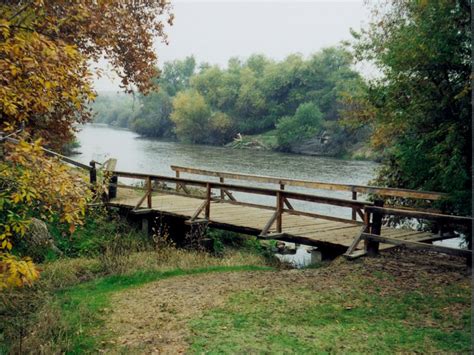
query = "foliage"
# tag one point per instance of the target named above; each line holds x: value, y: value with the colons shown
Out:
x: 247, y: 97
x: 45, y: 47
x: 45, y: 88
x: 33, y: 185
x: 176, y: 75
x: 306, y: 122
x: 153, y: 119
x: 115, y: 109
x: 191, y: 116
x: 420, y: 107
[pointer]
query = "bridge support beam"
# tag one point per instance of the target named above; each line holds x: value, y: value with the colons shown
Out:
x: 145, y: 225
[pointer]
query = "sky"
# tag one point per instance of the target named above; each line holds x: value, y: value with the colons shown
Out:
x: 214, y: 31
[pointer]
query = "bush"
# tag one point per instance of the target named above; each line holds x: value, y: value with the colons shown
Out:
x: 99, y: 232
x: 306, y: 122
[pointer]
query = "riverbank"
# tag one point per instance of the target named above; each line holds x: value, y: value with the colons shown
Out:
x: 313, y: 147
x: 186, y: 301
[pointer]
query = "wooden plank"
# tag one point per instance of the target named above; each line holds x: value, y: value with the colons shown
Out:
x: 355, y: 254
x: 270, y: 222
x: 302, y: 224
x: 418, y: 245
x: 199, y: 210
x: 347, y: 234
x: 382, y: 191
x: 110, y: 165
x: 140, y: 201
x: 355, y: 242
x: 421, y: 215
x: 141, y: 211
x: 321, y: 216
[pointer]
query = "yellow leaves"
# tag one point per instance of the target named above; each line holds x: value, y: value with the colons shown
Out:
x: 6, y: 244
x: 16, y: 272
x: 71, y: 51
x: 36, y: 185
x: 5, y: 27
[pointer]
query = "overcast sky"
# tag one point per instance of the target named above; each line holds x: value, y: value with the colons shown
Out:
x: 214, y: 31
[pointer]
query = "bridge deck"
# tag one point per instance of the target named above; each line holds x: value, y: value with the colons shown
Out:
x: 251, y: 220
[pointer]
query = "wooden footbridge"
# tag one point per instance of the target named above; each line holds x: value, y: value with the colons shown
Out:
x: 211, y: 200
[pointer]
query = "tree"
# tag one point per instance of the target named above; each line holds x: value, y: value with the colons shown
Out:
x: 45, y: 47
x: 154, y: 117
x: 306, y: 122
x: 45, y: 88
x: 191, y: 116
x: 420, y: 108
x: 176, y: 74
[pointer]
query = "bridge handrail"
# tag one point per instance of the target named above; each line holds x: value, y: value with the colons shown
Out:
x: 420, y: 215
x: 382, y: 191
x: 248, y: 189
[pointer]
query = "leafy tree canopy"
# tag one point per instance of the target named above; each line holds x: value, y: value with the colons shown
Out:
x: 420, y: 107
x: 45, y: 88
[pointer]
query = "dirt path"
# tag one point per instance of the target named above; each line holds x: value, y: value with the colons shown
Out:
x: 154, y: 318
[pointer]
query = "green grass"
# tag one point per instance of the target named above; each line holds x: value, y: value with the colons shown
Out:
x: 84, y: 307
x: 301, y: 320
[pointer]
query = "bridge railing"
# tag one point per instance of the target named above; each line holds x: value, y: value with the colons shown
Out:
x: 318, y: 185
x: 282, y: 198
x: 373, y: 216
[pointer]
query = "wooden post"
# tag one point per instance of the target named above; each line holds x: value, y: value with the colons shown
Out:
x: 177, y: 184
x: 279, y: 209
x: 208, y: 199
x: 92, y: 173
x: 376, y: 228
x: 221, y: 180
x: 354, y: 212
x: 113, y: 186
x: 145, y: 225
x: 148, y: 190
x: 93, y: 178
x: 366, y: 221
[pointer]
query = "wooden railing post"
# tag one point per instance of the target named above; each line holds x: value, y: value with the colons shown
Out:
x: 208, y: 199
x: 93, y: 178
x: 177, y: 184
x: 279, y: 210
x: 92, y: 174
x: 148, y: 191
x: 221, y: 180
x: 366, y: 221
x: 372, y: 247
x: 113, y: 186
x: 354, y: 212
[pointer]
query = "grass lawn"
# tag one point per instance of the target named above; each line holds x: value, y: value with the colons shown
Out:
x: 354, y: 320
x: 195, y: 303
